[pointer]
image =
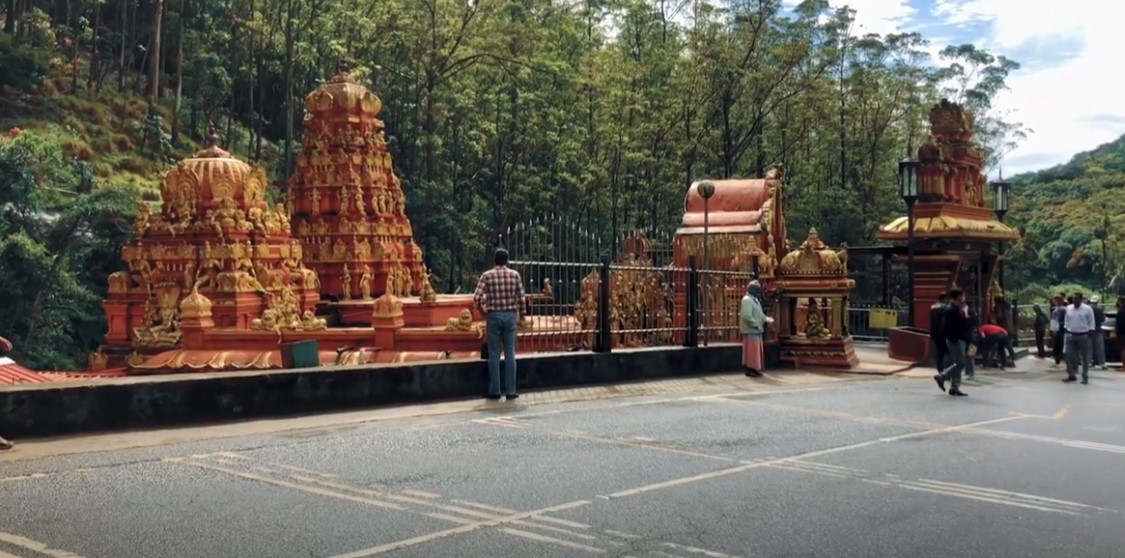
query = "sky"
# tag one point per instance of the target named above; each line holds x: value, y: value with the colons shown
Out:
x: 1068, y: 51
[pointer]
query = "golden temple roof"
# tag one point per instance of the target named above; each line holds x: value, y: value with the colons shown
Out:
x: 945, y: 226
x: 209, y: 179
x: 340, y: 95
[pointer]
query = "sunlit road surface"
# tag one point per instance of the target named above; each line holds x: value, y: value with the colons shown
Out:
x: 798, y: 464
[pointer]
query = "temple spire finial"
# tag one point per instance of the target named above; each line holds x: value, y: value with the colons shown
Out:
x: 212, y: 134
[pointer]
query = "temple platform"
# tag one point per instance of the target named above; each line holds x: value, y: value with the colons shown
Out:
x: 416, y: 314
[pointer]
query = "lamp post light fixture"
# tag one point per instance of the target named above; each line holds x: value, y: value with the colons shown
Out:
x: 706, y: 189
x: 1102, y: 233
x: 908, y: 190
x: 1000, y: 190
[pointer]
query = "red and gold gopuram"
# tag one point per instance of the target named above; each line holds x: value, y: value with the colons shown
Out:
x: 349, y: 210
x: 955, y: 233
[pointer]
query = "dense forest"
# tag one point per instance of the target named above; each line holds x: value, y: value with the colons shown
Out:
x: 597, y: 112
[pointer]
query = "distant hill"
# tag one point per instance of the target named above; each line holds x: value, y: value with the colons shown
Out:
x: 1061, y: 212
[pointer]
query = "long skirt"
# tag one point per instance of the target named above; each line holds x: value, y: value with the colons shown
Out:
x: 753, y: 355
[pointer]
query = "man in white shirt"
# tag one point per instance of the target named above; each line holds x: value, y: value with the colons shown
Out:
x: 1080, y: 327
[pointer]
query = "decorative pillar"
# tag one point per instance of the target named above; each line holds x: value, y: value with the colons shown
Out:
x: 195, y: 320
x: 386, y: 320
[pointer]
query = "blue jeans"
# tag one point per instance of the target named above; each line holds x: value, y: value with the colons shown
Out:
x: 501, y: 330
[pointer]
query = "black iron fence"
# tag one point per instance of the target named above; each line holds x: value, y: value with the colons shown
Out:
x: 627, y: 303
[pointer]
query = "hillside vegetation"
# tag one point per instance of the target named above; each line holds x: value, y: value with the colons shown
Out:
x: 1064, y: 213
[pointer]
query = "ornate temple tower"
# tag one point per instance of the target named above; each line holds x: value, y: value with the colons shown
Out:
x: 348, y: 205
x: 215, y: 234
x: 956, y: 233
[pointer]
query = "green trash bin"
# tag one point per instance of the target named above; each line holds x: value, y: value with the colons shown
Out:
x: 301, y: 354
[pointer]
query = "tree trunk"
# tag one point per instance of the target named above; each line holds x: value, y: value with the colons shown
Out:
x: 179, y: 75
x: 154, y: 58
x: 290, y: 41
x: 10, y: 19
x: 92, y: 80
x: 121, y: 58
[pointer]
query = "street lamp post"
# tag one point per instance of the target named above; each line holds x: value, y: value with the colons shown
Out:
x: 908, y: 189
x: 706, y: 190
x: 1000, y: 189
x: 1102, y: 233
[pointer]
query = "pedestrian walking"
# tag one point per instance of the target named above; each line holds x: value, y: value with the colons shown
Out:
x: 958, y: 333
x: 937, y: 310
x: 5, y: 347
x: 1097, y: 337
x: 1058, y: 330
x: 752, y: 324
x: 973, y: 348
x: 995, y: 336
x: 500, y: 296
x: 1041, y: 324
x: 1079, y: 324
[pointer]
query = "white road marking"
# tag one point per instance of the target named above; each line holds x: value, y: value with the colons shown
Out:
x: 421, y: 539
x: 34, y: 546
x: 746, y: 466
x: 552, y: 540
x: 700, y: 551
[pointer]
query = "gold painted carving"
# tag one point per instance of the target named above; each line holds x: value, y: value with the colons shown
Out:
x: 429, y: 296
x: 464, y: 322
x: 813, y: 258
x: 365, y: 283
x: 388, y: 306
x: 195, y: 306
x: 345, y: 282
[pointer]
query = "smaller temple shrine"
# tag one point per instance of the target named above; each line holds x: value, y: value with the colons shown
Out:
x: 349, y: 209
x: 956, y: 235
x: 742, y: 226
x: 813, y: 292
x: 214, y: 234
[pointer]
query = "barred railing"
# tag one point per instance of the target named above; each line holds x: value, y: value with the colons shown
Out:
x: 630, y: 303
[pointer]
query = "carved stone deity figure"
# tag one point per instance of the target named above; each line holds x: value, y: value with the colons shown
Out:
x: 143, y: 221
x: 814, y: 323
x: 314, y: 201
x: 346, y: 283
x: 365, y: 283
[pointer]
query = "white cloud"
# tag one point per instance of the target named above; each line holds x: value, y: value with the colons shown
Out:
x: 1070, y: 107
x: 1066, y: 105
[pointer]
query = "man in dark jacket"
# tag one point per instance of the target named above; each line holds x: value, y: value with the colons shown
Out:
x: 958, y: 333
x: 936, y: 333
x: 1041, y: 323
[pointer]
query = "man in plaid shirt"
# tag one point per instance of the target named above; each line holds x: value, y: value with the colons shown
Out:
x: 500, y: 296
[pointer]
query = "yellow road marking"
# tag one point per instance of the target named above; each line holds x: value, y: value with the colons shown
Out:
x: 35, y: 546
x: 552, y: 540
x: 1063, y: 411
x: 6, y: 555
x: 421, y: 539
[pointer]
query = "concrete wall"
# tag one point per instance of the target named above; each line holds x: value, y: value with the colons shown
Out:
x: 68, y: 408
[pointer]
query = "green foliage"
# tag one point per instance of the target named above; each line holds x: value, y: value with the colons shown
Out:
x: 20, y: 67
x: 57, y: 247
x: 1072, y: 217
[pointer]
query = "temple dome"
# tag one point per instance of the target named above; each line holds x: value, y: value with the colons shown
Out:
x: 195, y: 305
x: 342, y: 97
x: 206, y: 180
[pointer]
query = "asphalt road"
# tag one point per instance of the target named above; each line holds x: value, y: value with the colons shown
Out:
x: 796, y: 465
